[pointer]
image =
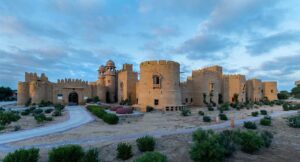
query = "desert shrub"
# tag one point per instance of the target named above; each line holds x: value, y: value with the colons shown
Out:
x: 294, y: 121
x: 6, y: 117
x: 201, y: 113
x: 250, y: 141
x: 250, y: 125
x: 149, y: 108
x: 40, y: 118
x: 111, y: 118
x: 92, y: 155
x: 48, y: 111
x: 286, y: 107
x: 206, y: 147
x: 265, y: 121
x: 263, y: 112
x: 225, y: 106
x: 44, y: 103
x: 37, y: 111
x: 57, y: 112
x: 267, y: 138
x: 32, y: 108
x: 210, y: 107
x: 228, y: 139
x: 124, y: 151
x: 96, y: 99
x: 22, y: 155
x: 68, y: 153
x: 146, y: 143
x: 25, y: 112
x: 206, y: 119
x: 186, y: 112
x: 48, y: 118
x: 223, y: 117
x: 124, y: 111
x: 17, y: 127
x: 152, y: 157
x: 59, y: 106
x: 255, y: 113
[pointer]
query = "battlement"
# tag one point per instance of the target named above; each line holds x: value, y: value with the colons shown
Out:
x: 273, y: 83
x: 69, y: 81
x: 159, y: 62
x: 234, y: 76
x: 29, y: 77
x: 209, y: 69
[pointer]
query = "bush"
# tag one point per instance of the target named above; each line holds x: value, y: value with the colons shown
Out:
x: 124, y: 151
x: 6, y: 117
x: 17, y: 128
x: 92, y: 155
x: 228, y: 139
x: 263, y: 112
x: 48, y: 111
x: 2, y: 127
x: 201, y: 113
x: 206, y: 147
x: 250, y: 125
x: 265, y: 121
x: 223, y: 117
x: 40, y: 118
x: 294, y: 121
x: 22, y: 155
x: 111, y: 118
x: 255, y: 113
x: 59, y: 107
x: 68, y: 153
x: 206, y: 119
x: 250, y: 141
x: 25, y: 112
x: 102, y: 114
x: 124, y: 111
x: 37, y: 111
x: 286, y: 107
x: 185, y: 112
x: 267, y: 138
x: 210, y: 107
x: 152, y: 157
x: 149, y: 109
x: 146, y: 143
x: 45, y: 103
x: 57, y: 112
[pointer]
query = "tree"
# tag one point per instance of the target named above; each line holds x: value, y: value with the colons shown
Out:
x: 5, y: 93
x: 282, y: 95
x: 296, y: 92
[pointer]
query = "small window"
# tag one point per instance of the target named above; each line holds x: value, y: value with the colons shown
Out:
x: 176, y: 108
x: 156, y: 102
x: 272, y: 91
x: 191, y: 100
x: 137, y: 100
x: 156, y: 79
x: 186, y: 100
x: 172, y: 109
x: 167, y: 109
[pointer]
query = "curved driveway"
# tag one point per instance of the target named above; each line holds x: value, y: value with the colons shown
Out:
x: 77, y: 117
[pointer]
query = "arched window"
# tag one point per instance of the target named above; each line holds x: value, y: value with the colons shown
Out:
x: 156, y: 79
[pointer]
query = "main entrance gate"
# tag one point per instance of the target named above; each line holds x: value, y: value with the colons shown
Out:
x: 73, y: 98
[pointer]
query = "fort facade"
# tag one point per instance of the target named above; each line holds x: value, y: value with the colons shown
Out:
x: 158, y: 85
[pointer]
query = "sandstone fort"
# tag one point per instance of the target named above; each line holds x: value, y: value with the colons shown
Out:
x: 158, y: 85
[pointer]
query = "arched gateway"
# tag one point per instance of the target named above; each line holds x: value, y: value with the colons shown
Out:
x: 73, y: 98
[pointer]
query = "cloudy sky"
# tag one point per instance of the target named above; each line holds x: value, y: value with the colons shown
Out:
x: 72, y: 38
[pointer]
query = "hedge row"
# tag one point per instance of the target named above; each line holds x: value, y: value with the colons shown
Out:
x: 102, y: 114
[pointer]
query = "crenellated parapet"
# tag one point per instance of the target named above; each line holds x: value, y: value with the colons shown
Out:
x: 159, y: 62
x: 72, y: 82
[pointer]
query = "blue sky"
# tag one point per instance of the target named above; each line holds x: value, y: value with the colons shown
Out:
x: 72, y: 38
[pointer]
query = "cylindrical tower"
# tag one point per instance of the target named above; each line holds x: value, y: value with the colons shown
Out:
x: 110, y: 81
x: 159, y: 85
x: 23, y: 93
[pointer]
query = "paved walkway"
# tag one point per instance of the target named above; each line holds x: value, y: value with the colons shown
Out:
x: 158, y: 133
x: 77, y: 117
x: 7, y: 103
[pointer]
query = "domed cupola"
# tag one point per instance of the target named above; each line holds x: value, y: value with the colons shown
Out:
x: 101, y: 71
x: 110, y: 63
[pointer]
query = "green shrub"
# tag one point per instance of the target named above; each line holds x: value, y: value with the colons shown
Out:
x: 57, y: 112
x: 32, y: 108
x: 267, y: 138
x: 286, y: 107
x: 201, y: 113
x: 225, y: 106
x: 92, y: 155
x: 45, y: 103
x: 263, y: 112
x: 111, y: 118
x: 40, y: 118
x: 152, y: 157
x: 22, y: 155
x: 294, y: 121
x: 6, y: 117
x: 206, y: 147
x: 17, y: 128
x: 25, y: 112
x: 124, y: 151
x: 185, y: 112
x: 2, y: 127
x: 149, y: 108
x: 255, y: 113
x: 250, y: 141
x: 146, y: 143
x: 265, y: 122
x: 37, y: 111
x: 250, y: 125
x: 59, y: 106
x: 228, y: 139
x: 223, y: 117
x: 206, y: 119
x: 48, y: 111
x: 48, y: 118
x: 210, y: 107
x: 68, y: 153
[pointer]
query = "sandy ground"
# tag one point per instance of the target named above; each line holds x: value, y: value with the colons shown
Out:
x: 28, y: 122
x: 150, y: 122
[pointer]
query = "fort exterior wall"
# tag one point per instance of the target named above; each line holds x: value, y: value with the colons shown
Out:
x: 234, y: 85
x: 270, y: 90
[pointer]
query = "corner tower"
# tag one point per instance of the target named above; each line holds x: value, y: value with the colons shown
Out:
x: 110, y: 82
